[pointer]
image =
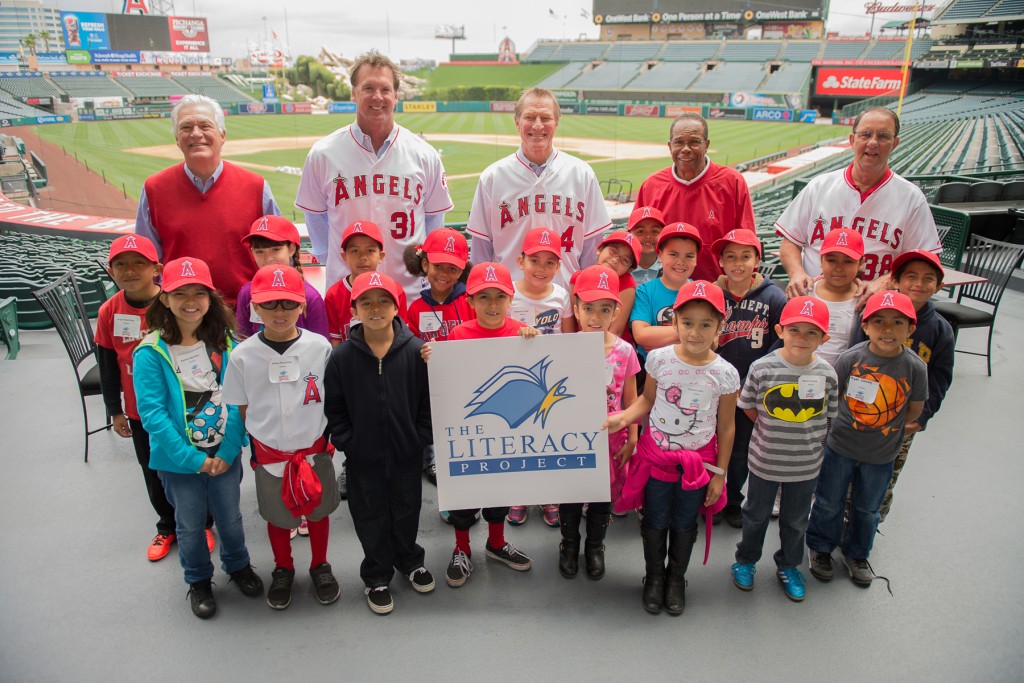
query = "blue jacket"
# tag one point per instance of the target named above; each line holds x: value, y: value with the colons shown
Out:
x: 161, y: 402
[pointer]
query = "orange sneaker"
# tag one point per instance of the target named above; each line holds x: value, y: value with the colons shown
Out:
x: 209, y: 540
x: 160, y: 546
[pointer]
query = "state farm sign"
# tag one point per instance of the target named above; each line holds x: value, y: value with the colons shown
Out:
x: 857, y: 82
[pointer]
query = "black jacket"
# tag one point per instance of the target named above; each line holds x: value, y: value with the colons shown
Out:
x: 378, y: 411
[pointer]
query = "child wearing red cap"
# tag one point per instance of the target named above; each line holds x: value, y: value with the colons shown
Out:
x: 753, y: 306
x: 682, y: 457
x: 490, y: 292
x: 842, y: 258
x: 919, y: 274
x: 883, y: 386
x: 276, y: 378
x: 596, y: 305
x: 788, y: 395
x: 195, y: 438
x: 619, y: 251
x: 378, y: 412
x: 275, y: 239
x: 645, y: 224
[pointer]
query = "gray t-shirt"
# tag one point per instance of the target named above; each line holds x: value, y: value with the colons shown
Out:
x: 875, y: 393
x: 792, y: 404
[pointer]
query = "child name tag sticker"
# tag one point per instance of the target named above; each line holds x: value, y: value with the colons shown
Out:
x: 284, y: 369
x: 863, y: 390
x: 522, y: 315
x: 127, y: 326
x: 195, y: 362
x: 695, y: 398
x: 254, y: 317
x: 429, y: 322
x: 811, y: 387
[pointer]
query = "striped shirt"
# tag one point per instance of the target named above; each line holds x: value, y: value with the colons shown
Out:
x: 787, y: 441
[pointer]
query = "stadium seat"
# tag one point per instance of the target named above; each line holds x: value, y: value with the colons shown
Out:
x: 952, y: 193
x: 9, y: 326
x: 62, y: 301
x: 986, y: 191
x: 1013, y: 191
x: 953, y: 227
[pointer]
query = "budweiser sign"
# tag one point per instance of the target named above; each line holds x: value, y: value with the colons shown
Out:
x: 879, y: 8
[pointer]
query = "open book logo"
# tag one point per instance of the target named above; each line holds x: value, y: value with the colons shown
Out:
x: 514, y: 393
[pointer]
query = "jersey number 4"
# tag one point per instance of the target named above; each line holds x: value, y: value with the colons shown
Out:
x: 567, y: 242
x: 404, y: 224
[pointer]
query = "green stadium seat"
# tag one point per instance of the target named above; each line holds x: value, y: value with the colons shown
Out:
x: 9, y: 327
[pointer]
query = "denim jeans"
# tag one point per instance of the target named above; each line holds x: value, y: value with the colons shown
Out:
x: 738, y: 460
x: 667, y: 504
x: 793, y: 512
x: 825, y: 528
x: 192, y: 495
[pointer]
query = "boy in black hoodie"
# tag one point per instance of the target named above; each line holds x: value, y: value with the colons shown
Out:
x: 378, y: 411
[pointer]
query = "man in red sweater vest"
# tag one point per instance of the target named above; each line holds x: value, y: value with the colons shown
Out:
x: 204, y: 207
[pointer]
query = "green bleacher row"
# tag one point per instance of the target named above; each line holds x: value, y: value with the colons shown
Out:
x: 103, y: 86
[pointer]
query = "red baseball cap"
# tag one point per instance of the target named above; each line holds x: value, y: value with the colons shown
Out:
x: 542, y: 239
x: 490, y: 274
x: 747, y: 238
x: 135, y: 243
x: 890, y: 299
x: 367, y: 228
x: 623, y: 237
x: 597, y: 282
x: 374, y: 280
x: 846, y: 241
x: 186, y: 271
x: 446, y: 246
x: 700, y: 290
x: 919, y: 255
x: 805, y: 309
x: 277, y: 283
x: 275, y: 229
x: 643, y: 213
x: 680, y: 230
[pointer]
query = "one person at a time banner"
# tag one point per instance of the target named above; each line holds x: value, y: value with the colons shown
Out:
x: 890, y: 213
x: 695, y: 190
x: 373, y: 170
x: 204, y: 207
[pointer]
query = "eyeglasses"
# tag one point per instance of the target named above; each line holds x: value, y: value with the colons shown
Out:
x: 866, y: 135
x: 695, y: 142
x: 274, y: 305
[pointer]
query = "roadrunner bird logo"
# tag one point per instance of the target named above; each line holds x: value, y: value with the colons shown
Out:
x: 514, y: 393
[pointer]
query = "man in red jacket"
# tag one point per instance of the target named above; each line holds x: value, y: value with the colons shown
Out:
x: 204, y: 207
x: 697, y: 191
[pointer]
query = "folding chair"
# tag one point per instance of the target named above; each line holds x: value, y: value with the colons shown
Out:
x: 62, y: 301
x: 9, y: 326
x: 989, y: 259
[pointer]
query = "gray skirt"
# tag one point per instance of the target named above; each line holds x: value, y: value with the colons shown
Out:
x: 271, y: 506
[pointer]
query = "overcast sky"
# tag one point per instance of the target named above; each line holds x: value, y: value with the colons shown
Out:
x: 405, y: 28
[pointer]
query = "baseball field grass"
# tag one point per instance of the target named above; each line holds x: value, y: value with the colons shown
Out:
x: 105, y: 146
x: 521, y: 75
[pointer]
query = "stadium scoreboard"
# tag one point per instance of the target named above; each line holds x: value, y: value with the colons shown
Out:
x: 684, y: 11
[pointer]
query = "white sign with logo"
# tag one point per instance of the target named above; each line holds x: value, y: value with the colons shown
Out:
x: 518, y: 421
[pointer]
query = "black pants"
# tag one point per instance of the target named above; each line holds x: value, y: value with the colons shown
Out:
x: 592, y: 508
x: 154, y: 487
x: 386, y: 513
x: 462, y: 520
x: 738, y: 460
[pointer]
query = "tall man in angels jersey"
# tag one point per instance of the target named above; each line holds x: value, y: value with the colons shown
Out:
x: 373, y: 170
x: 538, y: 187
x: 890, y: 213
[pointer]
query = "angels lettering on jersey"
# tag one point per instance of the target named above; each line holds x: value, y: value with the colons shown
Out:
x: 543, y: 204
x: 379, y: 184
x: 871, y: 229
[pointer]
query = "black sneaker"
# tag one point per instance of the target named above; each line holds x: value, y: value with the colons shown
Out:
x: 250, y: 584
x: 200, y: 595
x: 343, y: 481
x: 422, y: 580
x: 510, y: 555
x: 733, y: 516
x: 379, y: 599
x: 458, y: 570
x: 279, y: 595
x: 431, y: 473
x: 324, y: 583
x: 821, y: 566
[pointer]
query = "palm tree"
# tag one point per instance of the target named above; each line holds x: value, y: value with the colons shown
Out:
x: 46, y: 35
x: 30, y: 43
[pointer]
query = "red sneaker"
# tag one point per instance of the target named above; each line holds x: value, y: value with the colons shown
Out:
x: 551, y: 514
x: 209, y: 540
x: 160, y: 546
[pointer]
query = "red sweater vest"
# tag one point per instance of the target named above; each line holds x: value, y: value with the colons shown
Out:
x: 208, y: 226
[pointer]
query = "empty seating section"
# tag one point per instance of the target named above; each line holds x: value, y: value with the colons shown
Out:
x: 790, y: 78
x: 1007, y: 8
x: 542, y: 52
x: 918, y: 49
x: 886, y: 50
x: 12, y: 108
x: 561, y: 78
x: 802, y: 51
x: 730, y: 76
x: 580, y: 52
x: 749, y: 51
x: 90, y: 86
x: 613, y: 75
x: 844, y: 49
x: 697, y: 51
x: 36, y: 86
x: 211, y: 86
x: 633, y: 52
x: 667, y: 76
x: 149, y: 86
x: 965, y: 9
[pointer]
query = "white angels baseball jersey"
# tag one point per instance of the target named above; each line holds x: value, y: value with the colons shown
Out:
x: 284, y: 392
x: 396, y: 191
x: 893, y: 217
x: 511, y: 200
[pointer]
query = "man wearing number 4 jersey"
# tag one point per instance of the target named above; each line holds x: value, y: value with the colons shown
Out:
x: 373, y: 170
x: 890, y: 213
x: 538, y: 187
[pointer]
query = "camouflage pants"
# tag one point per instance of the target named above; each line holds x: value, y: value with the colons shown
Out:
x: 901, y: 460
